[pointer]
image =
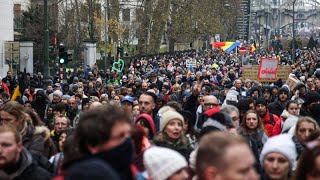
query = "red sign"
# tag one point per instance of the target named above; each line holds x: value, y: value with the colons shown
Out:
x: 54, y: 39
x: 242, y: 50
x: 268, y: 68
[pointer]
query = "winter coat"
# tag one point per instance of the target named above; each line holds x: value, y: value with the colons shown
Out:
x: 269, y: 124
x: 91, y: 168
x: 276, y: 107
x: 37, y: 140
x: 27, y: 169
x: 259, y: 137
x: 191, y: 105
x: 182, y: 145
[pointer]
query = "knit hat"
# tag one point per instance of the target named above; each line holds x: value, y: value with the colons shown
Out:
x: 66, y: 97
x: 267, y: 89
x: 168, y: 116
x: 311, y: 97
x: 58, y: 93
x: 283, y: 89
x: 283, y: 144
x: 261, y: 101
x: 99, y: 80
x: 216, y: 120
x: 161, y: 163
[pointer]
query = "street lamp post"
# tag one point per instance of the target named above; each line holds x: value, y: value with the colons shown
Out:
x: 293, y: 33
x: 105, y: 39
x: 46, y: 74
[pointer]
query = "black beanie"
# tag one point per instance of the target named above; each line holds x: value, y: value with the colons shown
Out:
x: 261, y: 101
x: 283, y: 89
x: 311, y: 97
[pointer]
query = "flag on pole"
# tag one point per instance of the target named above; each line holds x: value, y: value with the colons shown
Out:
x: 252, y: 48
x: 16, y: 93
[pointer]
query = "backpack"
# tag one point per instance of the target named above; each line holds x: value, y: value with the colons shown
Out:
x: 271, y: 120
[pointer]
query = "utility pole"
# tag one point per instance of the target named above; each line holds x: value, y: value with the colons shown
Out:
x: 293, y: 33
x: 105, y: 38
x: 46, y: 74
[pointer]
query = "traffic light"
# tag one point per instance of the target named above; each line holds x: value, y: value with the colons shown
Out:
x: 63, y: 55
x: 120, y: 51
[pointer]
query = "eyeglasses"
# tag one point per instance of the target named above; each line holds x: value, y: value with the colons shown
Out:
x: 211, y: 104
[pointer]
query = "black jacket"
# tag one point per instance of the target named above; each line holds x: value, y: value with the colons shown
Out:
x: 26, y: 169
x: 276, y: 108
x: 91, y: 168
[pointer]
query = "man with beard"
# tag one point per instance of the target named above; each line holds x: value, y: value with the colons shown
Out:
x: 280, y: 103
x: 15, y: 161
x: 10, y: 81
x: 106, y: 145
x: 49, y: 90
x: 269, y: 120
x: 267, y: 94
x: 311, y: 106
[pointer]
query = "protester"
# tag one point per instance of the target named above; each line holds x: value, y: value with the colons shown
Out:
x: 269, y: 120
x: 16, y: 162
x: 33, y: 139
x: 163, y: 163
x: 308, y: 166
x: 105, y: 142
x: 60, y: 123
x: 171, y: 133
x: 252, y: 129
x: 278, y: 157
x: 224, y: 155
x: 213, y: 94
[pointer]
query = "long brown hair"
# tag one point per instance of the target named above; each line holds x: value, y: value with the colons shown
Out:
x: 308, y: 120
x: 307, y: 161
x: 243, y: 122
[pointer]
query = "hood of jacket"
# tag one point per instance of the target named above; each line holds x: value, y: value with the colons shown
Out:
x: 26, y: 161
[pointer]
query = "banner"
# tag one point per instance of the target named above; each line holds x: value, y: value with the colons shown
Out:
x: 251, y: 72
x: 191, y: 63
x: 268, y: 68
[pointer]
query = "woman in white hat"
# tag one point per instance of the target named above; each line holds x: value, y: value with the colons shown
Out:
x: 171, y: 134
x: 163, y: 163
x: 278, y: 157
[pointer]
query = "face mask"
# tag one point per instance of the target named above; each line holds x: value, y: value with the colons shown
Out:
x: 119, y: 157
x: 50, y: 116
x: 192, y: 76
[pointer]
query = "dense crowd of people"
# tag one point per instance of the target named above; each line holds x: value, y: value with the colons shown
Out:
x: 157, y: 119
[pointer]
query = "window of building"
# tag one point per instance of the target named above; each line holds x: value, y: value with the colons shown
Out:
x: 126, y: 14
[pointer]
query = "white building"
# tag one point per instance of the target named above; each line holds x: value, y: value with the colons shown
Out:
x: 127, y: 17
x: 6, y: 31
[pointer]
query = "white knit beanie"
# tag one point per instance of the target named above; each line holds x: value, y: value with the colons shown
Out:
x: 283, y: 144
x: 168, y: 116
x: 161, y: 163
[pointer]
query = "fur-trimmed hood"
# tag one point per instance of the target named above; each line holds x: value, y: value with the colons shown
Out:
x: 43, y: 131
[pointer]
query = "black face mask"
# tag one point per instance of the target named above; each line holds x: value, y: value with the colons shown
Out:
x: 315, y: 109
x: 50, y: 116
x: 120, y: 157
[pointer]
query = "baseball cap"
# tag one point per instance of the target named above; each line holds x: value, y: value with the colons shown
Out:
x: 56, y: 85
x: 127, y: 98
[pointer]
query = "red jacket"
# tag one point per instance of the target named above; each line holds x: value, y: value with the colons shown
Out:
x: 271, y: 128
